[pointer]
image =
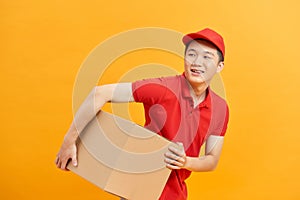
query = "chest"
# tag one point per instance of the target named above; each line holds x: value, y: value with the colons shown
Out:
x: 180, y: 121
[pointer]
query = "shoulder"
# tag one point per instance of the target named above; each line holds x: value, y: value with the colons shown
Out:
x: 216, y: 100
x: 152, y: 90
x: 163, y: 81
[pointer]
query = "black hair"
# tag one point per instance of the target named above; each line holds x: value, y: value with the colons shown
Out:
x: 220, y: 55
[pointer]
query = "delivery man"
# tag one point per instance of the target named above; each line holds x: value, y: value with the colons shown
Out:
x: 181, y: 108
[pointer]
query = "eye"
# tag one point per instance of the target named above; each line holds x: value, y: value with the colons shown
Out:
x: 191, y: 54
x: 207, y: 57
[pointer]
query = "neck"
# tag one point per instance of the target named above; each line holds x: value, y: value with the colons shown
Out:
x: 198, y: 92
x: 199, y: 89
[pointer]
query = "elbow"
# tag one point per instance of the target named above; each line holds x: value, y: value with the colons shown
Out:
x: 101, y: 93
x: 100, y: 96
x: 212, y: 166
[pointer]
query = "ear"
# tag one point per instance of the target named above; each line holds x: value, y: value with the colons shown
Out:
x: 220, y: 66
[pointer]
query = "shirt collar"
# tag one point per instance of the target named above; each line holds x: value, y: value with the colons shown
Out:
x: 186, y: 93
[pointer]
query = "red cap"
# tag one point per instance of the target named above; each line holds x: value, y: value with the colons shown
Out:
x: 209, y: 35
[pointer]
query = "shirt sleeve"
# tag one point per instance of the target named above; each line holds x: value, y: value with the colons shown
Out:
x: 149, y: 91
x: 219, y: 116
x: 223, y: 126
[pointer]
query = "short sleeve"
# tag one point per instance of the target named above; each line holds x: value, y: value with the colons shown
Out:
x: 223, y: 123
x: 149, y: 91
x: 219, y: 116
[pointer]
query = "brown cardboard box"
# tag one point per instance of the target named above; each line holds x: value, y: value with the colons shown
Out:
x: 122, y: 158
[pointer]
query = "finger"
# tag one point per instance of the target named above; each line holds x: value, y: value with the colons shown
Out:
x: 56, y: 160
x: 58, y: 164
x: 176, y: 151
x: 181, y: 147
x: 173, y: 162
x: 169, y: 166
x: 180, y: 144
x: 174, y: 157
x: 63, y: 165
x: 74, y: 160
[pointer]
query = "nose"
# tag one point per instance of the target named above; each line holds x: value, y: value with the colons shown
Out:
x: 198, y: 61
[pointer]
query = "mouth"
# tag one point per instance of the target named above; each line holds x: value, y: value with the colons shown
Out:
x: 196, y: 71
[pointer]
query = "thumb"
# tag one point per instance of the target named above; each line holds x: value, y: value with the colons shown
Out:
x: 180, y: 144
x: 74, y: 160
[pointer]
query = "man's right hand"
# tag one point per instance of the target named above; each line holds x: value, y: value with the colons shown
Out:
x: 119, y: 92
x: 68, y: 151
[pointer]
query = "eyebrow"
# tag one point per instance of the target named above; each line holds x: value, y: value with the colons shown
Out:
x: 211, y: 53
x: 206, y: 52
x: 191, y: 50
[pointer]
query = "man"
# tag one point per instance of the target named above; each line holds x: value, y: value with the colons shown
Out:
x: 181, y: 108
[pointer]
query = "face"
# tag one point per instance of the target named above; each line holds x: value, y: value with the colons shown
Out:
x: 201, y: 62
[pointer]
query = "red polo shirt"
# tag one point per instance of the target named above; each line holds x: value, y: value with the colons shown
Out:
x: 169, y: 111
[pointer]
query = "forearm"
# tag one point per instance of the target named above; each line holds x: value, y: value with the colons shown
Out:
x: 210, y: 160
x: 100, y: 95
x: 121, y: 92
x: 86, y: 112
x: 201, y: 164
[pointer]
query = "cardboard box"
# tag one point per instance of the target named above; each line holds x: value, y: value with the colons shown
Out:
x: 122, y: 158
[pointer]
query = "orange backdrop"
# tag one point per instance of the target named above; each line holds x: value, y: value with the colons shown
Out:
x: 43, y: 44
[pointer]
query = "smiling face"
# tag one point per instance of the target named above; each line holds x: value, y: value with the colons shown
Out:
x: 201, y: 62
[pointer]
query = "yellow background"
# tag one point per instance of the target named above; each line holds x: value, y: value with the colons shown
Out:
x: 43, y: 44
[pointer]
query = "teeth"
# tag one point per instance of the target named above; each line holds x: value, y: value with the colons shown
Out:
x: 197, y: 71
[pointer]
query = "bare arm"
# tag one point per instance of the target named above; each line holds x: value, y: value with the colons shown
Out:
x: 99, y: 95
x: 176, y: 158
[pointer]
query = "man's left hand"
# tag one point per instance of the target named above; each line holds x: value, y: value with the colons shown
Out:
x: 175, y: 158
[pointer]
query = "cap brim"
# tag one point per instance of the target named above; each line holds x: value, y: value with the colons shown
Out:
x: 192, y: 36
